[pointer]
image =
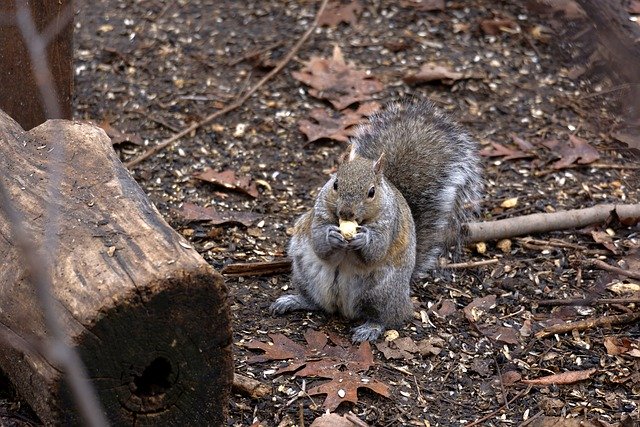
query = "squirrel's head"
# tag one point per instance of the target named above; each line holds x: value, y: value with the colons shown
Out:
x: 356, y: 188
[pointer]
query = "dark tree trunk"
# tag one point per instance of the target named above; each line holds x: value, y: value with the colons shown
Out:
x: 19, y: 94
x: 147, y: 314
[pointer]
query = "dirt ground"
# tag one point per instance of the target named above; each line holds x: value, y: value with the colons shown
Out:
x: 150, y: 68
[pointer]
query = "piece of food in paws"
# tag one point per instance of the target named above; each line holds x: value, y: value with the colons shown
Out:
x: 348, y: 229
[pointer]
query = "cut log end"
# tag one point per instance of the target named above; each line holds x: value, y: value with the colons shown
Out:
x: 151, y: 357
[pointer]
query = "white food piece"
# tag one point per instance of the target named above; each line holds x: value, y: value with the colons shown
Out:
x: 348, y: 229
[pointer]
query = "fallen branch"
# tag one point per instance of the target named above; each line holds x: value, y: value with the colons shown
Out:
x: 569, y: 377
x: 257, y: 268
x: 608, y: 267
x: 587, y: 301
x: 241, y: 100
x: 470, y: 264
x: 544, y: 222
x: 582, y: 325
x: 250, y: 387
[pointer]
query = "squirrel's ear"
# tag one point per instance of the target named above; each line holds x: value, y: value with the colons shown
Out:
x: 378, y: 166
x: 347, y: 156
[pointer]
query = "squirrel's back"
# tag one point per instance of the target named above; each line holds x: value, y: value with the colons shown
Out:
x: 436, y: 167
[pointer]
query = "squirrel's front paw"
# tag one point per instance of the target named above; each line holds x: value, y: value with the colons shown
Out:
x: 335, y: 239
x: 369, y: 331
x: 360, y: 240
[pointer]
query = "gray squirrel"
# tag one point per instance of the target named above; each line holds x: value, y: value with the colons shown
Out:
x: 409, y: 182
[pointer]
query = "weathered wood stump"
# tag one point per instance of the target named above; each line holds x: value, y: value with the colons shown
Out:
x: 147, y: 314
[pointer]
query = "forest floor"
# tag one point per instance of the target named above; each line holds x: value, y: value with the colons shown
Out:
x: 147, y: 69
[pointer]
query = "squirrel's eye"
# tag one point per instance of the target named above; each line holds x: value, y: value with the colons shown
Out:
x: 372, y: 192
x: 335, y: 185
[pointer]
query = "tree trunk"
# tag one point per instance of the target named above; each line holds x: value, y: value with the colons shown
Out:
x: 19, y: 93
x: 147, y: 314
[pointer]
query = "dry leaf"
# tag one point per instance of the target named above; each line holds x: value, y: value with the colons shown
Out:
x: 425, y: 5
x: 337, y: 12
x: 193, y: 212
x: 117, y: 136
x: 572, y: 151
x: 431, y: 346
x: 500, y: 333
x: 476, y: 308
x: 430, y: 72
x: 229, y: 179
x: 499, y: 150
x: 447, y: 307
x: 509, y: 378
x: 616, y: 346
x: 605, y: 240
x: 336, y: 126
x: 495, y: 26
x: 336, y: 81
x: 344, y: 388
x: 563, y: 378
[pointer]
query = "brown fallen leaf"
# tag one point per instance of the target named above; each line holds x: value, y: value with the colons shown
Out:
x: 568, y: 422
x: 563, y: 378
x: 117, y: 136
x: 344, y: 386
x: 336, y: 81
x: 605, y: 240
x: 430, y: 346
x: 336, y: 126
x: 500, y: 333
x: 229, y: 179
x: 193, y: 212
x: 616, y: 346
x: 430, y: 72
x: 425, y: 5
x: 337, y: 12
x: 575, y: 150
x: 447, y: 308
x: 495, y: 26
x: 334, y: 420
x: 509, y: 378
x: 499, y: 150
x: 476, y: 308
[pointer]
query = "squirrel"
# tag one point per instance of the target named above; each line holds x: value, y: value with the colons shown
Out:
x: 410, y: 182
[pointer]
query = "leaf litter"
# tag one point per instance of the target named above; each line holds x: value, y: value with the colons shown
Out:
x: 324, y: 356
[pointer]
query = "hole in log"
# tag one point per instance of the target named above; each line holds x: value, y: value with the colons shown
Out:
x: 154, y: 379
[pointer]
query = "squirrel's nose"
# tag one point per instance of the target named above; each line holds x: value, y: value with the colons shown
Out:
x: 346, y: 213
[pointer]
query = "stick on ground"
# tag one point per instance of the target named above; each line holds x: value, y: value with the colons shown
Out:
x: 588, y: 324
x: 544, y: 222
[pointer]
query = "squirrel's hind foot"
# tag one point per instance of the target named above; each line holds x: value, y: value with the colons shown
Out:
x: 291, y: 302
x: 369, y: 331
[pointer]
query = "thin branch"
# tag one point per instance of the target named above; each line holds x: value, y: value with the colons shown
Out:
x: 544, y: 222
x: 150, y: 152
x: 587, y: 301
x: 588, y: 324
x: 613, y: 269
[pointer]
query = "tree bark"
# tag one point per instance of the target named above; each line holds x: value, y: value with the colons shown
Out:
x: 147, y: 314
x: 19, y: 93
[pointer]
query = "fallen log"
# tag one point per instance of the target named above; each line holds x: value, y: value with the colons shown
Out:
x: 148, y: 316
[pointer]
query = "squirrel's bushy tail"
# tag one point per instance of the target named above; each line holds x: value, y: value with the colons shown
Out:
x: 436, y: 167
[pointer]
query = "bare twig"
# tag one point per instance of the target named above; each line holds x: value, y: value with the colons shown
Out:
x: 257, y: 268
x: 470, y: 264
x: 250, y: 387
x: 613, y: 269
x: 588, y: 324
x: 150, y: 152
x: 587, y: 301
x: 544, y: 222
